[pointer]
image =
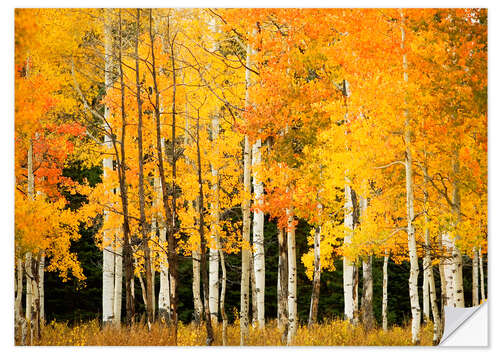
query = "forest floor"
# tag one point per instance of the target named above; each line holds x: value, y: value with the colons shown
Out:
x: 330, y: 333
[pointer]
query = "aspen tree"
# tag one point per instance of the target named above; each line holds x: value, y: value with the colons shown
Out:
x: 425, y: 294
x: 169, y: 280
x: 122, y: 175
x: 313, y: 310
x: 214, y: 252
x: 348, y: 267
x: 108, y: 268
x: 412, y: 245
x: 481, y: 272
x: 245, y: 206
x: 384, y: 292
x: 475, y: 273
x: 458, y: 293
x: 283, y: 284
x: 204, y: 274
x: 428, y: 269
x: 143, y: 222
x: 258, y: 236
x: 292, y: 278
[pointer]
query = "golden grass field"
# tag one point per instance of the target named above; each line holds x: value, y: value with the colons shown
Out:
x: 330, y: 333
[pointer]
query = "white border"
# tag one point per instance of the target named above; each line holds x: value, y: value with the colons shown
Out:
x: 7, y: 176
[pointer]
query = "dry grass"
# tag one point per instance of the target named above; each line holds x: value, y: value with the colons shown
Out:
x: 330, y: 333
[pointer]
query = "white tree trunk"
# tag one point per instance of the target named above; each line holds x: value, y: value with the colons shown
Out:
x: 213, y: 294
x: 292, y: 279
x: 153, y: 286
x: 41, y: 287
x: 313, y: 309
x: 108, y: 266
x: 29, y: 285
x: 434, y: 305
x: 117, y: 299
x: 254, y: 295
x: 348, y: 268
x: 258, y: 238
x: 245, y: 252
x: 278, y: 287
x: 213, y: 273
x: 384, y: 293
x: 198, y: 303
x: 367, y: 302
x: 475, y: 273
x: 19, y: 290
x: 457, y: 254
x: 412, y: 244
x: 448, y: 267
x: 28, y: 257
x: 425, y: 293
x: 481, y: 272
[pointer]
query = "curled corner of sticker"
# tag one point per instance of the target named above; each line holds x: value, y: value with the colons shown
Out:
x: 465, y: 326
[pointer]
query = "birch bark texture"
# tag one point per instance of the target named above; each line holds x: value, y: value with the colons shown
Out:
x: 292, y: 278
x: 108, y: 265
x: 214, y: 236
x: 475, y: 278
x: 348, y: 265
x: 412, y: 244
x: 245, y: 207
x: 258, y: 236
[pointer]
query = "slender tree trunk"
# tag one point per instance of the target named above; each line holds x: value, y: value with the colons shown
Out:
x: 29, y: 258
x: 458, y: 294
x: 258, y: 237
x: 214, y: 252
x: 475, y: 273
x: 127, y: 259
x: 143, y: 291
x: 41, y: 287
x: 245, y: 249
x: 170, y: 218
x: 384, y: 292
x: 292, y: 279
x: 348, y: 265
x: 481, y: 272
x: 434, y: 306
x: 428, y: 270
x: 412, y: 245
x: 254, y: 293
x: 444, y: 288
x: 213, y: 277
x: 223, y: 298
x: 283, y: 284
x: 29, y: 291
x: 142, y: 209
x: 367, y: 300
x: 164, y: 292
x: 35, y: 330
x: 425, y: 294
x: 117, y: 299
x: 152, y: 267
x: 172, y: 255
x: 19, y: 291
x: 204, y: 273
x: 313, y: 310
x: 367, y: 303
x: 108, y: 265
x: 198, y: 304
x: 448, y: 267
